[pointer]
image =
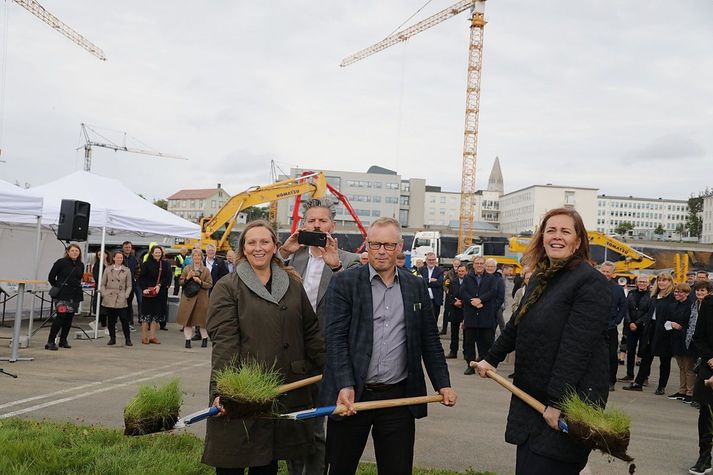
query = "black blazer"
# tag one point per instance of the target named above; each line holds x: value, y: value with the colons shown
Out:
x: 455, y: 292
x: 349, y: 336
x: 437, y: 286
x: 487, y: 292
x: 220, y: 269
x: 560, y: 345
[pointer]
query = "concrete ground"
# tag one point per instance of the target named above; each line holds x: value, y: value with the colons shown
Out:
x: 91, y: 383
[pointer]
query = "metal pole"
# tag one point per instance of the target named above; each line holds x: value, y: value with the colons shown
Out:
x: 97, y: 287
x: 36, y: 277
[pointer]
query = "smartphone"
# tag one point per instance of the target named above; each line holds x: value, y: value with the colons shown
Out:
x: 311, y: 238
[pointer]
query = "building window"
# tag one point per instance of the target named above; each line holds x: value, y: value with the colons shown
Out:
x: 404, y: 200
x: 375, y: 212
x: 392, y: 186
x: 376, y: 199
x: 391, y: 199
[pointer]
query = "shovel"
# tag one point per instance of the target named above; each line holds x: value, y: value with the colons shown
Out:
x: 213, y: 410
x: 340, y: 409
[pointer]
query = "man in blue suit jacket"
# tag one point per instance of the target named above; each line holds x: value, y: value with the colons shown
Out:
x: 433, y: 276
x: 380, y: 332
x: 480, y: 294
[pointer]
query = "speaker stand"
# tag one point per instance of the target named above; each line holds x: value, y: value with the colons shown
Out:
x: 2, y: 371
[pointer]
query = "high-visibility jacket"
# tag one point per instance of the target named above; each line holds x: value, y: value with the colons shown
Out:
x: 179, y: 266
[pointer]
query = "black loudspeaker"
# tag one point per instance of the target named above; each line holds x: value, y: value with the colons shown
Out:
x: 73, y: 220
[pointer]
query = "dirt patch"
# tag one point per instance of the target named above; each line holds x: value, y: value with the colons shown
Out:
x: 240, y: 408
x: 608, y: 443
x: 150, y: 426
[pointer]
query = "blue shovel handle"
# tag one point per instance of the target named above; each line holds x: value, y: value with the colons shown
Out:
x: 200, y: 415
x: 562, y: 424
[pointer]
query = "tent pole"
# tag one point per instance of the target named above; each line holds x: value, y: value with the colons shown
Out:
x: 35, y: 277
x: 97, y: 286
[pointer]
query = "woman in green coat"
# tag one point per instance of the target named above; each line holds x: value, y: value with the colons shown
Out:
x: 261, y: 312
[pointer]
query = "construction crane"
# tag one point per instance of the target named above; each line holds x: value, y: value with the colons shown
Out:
x: 40, y: 12
x: 89, y: 143
x: 472, y: 107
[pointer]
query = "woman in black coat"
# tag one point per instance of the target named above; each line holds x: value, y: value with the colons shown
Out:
x: 702, y: 392
x: 154, y: 282
x: 559, y: 337
x: 680, y: 314
x: 66, y: 273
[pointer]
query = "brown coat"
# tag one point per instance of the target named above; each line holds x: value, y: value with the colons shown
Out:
x: 192, y: 310
x: 280, y: 328
x: 116, y: 287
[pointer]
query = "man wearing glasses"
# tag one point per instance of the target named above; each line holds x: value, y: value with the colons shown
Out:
x: 379, y: 333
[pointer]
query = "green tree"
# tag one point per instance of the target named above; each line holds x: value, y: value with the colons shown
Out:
x: 624, y: 227
x: 659, y: 230
x: 257, y: 212
x: 161, y: 203
x: 694, y: 222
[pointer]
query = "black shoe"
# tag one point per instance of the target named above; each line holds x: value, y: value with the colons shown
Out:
x: 687, y: 399
x: 451, y: 356
x: 632, y: 387
x: 646, y: 382
x: 660, y: 391
x: 695, y: 405
x: 511, y: 375
x: 678, y: 396
x: 51, y: 346
x: 622, y: 362
x: 611, y: 387
x: 188, y: 343
x: 204, y: 343
x: 128, y: 343
x: 627, y: 378
x: 64, y: 344
x: 702, y: 466
x: 163, y: 328
x: 442, y: 332
x: 196, y: 337
x: 469, y: 371
x: 111, y: 342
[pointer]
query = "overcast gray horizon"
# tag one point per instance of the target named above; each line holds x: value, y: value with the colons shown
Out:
x: 611, y: 95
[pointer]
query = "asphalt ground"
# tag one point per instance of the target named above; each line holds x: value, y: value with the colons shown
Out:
x: 92, y: 382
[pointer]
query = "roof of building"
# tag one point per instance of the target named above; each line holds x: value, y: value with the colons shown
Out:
x: 380, y: 170
x: 550, y: 185
x: 433, y: 189
x: 196, y: 194
x: 613, y: 197
x: 495, y: 182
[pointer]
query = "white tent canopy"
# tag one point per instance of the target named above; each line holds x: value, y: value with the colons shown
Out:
x: 15, y: 201
x: 113, y: 206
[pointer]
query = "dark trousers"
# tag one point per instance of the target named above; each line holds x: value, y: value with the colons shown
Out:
x: 455, y: 332
x: 130, y: 308
x: 613, y: 340
x: 62, y: 323
x: 705, y: 429
x: 529, y: 463
x: 500, y: 318
x: 483, y: 338
x: 436, y: 310
x: 313, y: 463
x: 118, y: 313
x: 446, y: 317
x: 645, y: 370
x: 632, y: 341
x: 393, y: 431
x: 270, y: 469
x: 176, y: 284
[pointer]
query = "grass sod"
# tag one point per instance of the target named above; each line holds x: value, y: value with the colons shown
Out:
x: 248, y: 389
x: 153, y: 409
x: 45, y: 447
x: 599, y: 429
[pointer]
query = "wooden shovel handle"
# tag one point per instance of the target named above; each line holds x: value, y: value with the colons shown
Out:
x: 299, y: 384
x: 385, y: 403
x: 529, y: 400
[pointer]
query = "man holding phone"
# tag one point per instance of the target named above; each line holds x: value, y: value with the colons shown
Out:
x: 315, y: 255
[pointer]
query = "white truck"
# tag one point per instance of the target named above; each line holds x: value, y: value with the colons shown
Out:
x: 430, y: 241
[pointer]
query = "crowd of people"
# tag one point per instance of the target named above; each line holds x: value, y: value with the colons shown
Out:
x: 371, y: 326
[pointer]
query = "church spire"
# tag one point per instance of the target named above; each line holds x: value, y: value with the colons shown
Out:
x: 495, y: 182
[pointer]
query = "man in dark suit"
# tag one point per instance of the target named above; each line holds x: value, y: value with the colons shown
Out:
x: 317, y: 266
x: 454, y: 300
x: 479, y: 319
x: 380, y: 331
x: 215, y: 265
x: 433, y: 276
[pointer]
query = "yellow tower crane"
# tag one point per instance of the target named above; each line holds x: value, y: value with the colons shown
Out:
x: 472, y: 104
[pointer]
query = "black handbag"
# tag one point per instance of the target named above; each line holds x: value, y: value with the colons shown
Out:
x: 191, y: 288
x: 55, y: 290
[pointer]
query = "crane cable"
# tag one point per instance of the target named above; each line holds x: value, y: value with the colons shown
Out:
x: 409, y: 18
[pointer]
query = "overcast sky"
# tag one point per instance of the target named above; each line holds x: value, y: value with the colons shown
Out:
x: 616, y: 95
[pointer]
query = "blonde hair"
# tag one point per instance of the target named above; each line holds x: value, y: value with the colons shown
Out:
x: 655, y: 289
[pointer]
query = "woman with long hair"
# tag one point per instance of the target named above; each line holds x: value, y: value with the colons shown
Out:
x: 115, y: 290
x: 559, y: 337
x: 154, y: 282
x: 702, y: 390
x: 193, y: 308
x: 655, y: 340
x: 66, y: 273
x: 260, y: 312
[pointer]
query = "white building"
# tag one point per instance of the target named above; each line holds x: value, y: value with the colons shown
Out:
x: 707, y: 220
x: 646, y: 214
x: 194, y: 204
x: 522, y: 210
x: 379, y: 192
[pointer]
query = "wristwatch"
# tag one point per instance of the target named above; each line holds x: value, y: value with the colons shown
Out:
x: 338, y: 268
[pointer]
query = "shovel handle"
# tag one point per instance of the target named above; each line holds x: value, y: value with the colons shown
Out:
x: 299, y: 384
x: 386, y: 403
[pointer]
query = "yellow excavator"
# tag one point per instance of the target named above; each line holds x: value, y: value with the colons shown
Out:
x: 626, y: 259
x: 216, y: 229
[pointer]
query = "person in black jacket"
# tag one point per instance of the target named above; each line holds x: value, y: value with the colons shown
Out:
x: 559, y: 335
x: 155, y: 274
x: 638, y: 303
x: 676, y: 327
x: 480, y: 292
x: 454, y: 301
x: 702, y: 393
x: 655, y: 341
x: 66, y: 273
x: 616, y: 315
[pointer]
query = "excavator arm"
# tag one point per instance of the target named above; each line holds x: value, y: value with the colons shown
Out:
x: 216, y: 229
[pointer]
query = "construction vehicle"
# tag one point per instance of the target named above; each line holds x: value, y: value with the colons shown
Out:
x: 472, y: 104
x: 627, y: 260
x: 216, y: 229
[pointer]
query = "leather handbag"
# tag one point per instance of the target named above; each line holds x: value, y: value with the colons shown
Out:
x: 191, y: 288
x: 152, y: 292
